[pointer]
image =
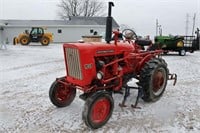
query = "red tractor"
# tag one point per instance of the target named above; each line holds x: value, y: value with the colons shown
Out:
x: 101, y: 69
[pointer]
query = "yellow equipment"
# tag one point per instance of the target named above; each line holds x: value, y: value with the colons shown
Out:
x: 37, y: 34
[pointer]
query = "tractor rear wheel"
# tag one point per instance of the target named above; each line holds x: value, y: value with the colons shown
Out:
x: 98, y: 109
x: 60, y: 94
x: 45, y: 41
x: 24, y: 40
x: 153, y: 79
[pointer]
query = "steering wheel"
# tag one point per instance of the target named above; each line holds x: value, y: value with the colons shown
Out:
x: 129, y: 34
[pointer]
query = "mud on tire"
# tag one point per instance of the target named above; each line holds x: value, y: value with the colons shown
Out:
x: 98, y: 109
x: 153, y: 79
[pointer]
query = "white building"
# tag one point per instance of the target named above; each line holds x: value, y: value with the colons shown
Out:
x: 63, y: 30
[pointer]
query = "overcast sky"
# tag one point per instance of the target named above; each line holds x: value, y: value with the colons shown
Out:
x: 138, y: 14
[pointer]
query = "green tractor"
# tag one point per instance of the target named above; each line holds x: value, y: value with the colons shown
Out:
x: 180, y: 44
x: 170, y: 43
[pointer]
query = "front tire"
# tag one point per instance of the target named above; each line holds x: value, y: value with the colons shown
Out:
x: 153, y: 79
x: 182, y: 52
x: 60, y: 94
x: 98, y: 109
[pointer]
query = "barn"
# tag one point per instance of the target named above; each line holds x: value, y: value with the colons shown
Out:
x: 69, y: 30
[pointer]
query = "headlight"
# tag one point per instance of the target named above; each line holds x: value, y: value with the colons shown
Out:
x: 100, y: 75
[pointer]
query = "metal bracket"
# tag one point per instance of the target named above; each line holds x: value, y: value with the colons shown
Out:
x: 127, y: 93
x: 172, y: 77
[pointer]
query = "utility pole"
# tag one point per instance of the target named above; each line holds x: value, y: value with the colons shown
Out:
x: 187, y: 24
x: 193, y: 26
x: 160, y: 30
x: 156, y: 27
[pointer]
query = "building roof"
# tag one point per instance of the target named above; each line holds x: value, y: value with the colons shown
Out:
x: 92, y: 20
x: 72, y: 21
x: 32, y: 22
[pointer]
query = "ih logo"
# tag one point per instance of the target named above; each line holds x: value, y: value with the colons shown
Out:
x: 88, y: 66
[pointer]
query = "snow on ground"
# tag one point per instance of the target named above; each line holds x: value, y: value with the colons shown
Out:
x: 26, y: 73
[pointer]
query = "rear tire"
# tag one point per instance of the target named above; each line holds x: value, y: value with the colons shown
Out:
x: 60, y: 94
x: 98, y: 109
x: 153, y: 79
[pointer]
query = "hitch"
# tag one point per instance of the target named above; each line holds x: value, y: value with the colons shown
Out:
x: 172, y: 77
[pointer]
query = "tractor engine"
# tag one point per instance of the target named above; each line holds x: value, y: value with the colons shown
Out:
x: 98, y: 64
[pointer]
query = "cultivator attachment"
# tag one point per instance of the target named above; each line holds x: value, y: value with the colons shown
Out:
x: 127, y: 93
x: 140, y: 92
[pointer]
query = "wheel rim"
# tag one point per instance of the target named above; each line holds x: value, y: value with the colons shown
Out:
x: 100, y: 110
x: 45, y: 41
x: 24, y: 41
x: 63, y: 93
x: 182, y: 52
x: 159, y: 80
x: 180, y: 44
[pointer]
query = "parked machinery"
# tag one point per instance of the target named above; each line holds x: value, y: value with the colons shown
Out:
x: 102, y: 69
x: 180, y: 44
x: 37, y: 34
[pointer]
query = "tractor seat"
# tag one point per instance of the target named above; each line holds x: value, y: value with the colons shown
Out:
x: 143, y: 42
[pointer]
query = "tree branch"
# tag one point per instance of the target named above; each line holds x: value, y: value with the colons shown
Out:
x: 86, y: 8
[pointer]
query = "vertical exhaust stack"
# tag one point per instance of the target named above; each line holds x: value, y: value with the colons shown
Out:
x: 109, y: 23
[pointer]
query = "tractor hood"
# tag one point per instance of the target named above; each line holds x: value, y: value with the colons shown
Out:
x: 80, y: 59
x: 101, y: 49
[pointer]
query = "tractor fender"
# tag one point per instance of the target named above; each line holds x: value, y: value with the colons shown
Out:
x: 22, y: 35
x: 49, y: 36
x: 141, y: 64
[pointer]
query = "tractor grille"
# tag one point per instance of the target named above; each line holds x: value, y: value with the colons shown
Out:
x: 73, y: 63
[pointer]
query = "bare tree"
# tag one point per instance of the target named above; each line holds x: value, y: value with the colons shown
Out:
x: 86, y: 8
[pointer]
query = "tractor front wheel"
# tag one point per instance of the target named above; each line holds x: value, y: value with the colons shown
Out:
x: 25, y: 40
x: 60, y: 94
x: 45, y: 41
x: 153, y: 79
x: 98, y: 109
x: 182, y: 52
